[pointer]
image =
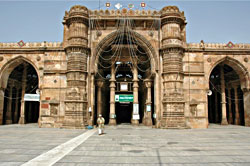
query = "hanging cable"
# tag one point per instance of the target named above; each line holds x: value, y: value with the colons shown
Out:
x: 131, y: 52
x: 131, y: 41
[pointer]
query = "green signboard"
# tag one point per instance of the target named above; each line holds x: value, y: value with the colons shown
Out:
x: 124, y: 98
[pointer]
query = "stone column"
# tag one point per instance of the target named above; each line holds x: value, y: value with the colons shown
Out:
x: 9, y: 106
x: 246, y: 98
x: 22, y: 112
x: 157, y: 101
x: 99, y: 97
x: 16, y: 106
x: 91, y: 114
x: 172, y: 51
x: 237, y: 114
x: 76, y: 46
x: 211, y: 114
x: 216, y: 112
x: 147, y: 119
x: 223, y: 98
x: 112, y: 116
x: 1, y: 105
x: 230, y: 119
x: 135, y: 93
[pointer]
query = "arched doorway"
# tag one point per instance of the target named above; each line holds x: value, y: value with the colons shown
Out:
x: 124, y: 78
x: 19, y: 79
x: 226, y: 104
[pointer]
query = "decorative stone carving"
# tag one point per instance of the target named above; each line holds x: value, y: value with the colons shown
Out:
x: 245, y: 59
x: 73, y: 94
x: 193, y: 107
x: 202, y: 45
x: 38, y: 58
x: 53, y: 109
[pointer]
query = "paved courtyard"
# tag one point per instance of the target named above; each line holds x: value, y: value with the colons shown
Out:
x: 125, y: 145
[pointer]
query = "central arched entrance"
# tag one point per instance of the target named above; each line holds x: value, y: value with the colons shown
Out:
x: 19, y: 98
x: 124, y: 79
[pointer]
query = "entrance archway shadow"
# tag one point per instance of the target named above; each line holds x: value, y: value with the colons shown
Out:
x: 236, y: 81
x: 15, y: 82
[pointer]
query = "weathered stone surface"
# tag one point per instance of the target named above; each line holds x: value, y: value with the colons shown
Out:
x: 180, y: 71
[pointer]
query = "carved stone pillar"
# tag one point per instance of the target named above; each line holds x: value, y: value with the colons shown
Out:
x: 91, y: 114
x: 9, y: 106
x: 77, y: 51
x: 172, y: 26
x: 223, y: 98
x: 237, y: 114
x: 147, y: 119
x: 112, y: 115
x: 230, y: 116
x: 1, y: 105
x: 216, y: 107
x: 22, y: 112
x: 135, y: 114
x: 211, y: 114
x: 246, y: 98
x: 99, y: 97
x: 16, y: 106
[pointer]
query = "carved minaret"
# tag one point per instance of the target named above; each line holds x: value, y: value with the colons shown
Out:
x: 173, y: 37
x: 76, y: 47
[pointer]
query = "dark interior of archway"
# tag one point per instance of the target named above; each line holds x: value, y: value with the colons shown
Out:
x: 123, y: 53
x: 233, y: 102
x: 13, y: 95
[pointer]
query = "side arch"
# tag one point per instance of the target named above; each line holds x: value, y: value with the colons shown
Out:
x: 8, y: 67
x: 240, y: 69
x: 142, y: 41
x: 5, y: 73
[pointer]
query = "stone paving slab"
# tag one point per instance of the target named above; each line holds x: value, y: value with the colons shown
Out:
x: 21, y: 143
x: 127, y: 145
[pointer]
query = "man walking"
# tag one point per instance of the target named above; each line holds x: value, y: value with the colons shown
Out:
x: 100, y: 122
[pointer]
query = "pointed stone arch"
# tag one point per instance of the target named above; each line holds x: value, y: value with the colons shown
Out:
x: 148, y: 48
x: 5, y: 73
x: 240, y: 69
x: 142, y: 42
x: 12, y: 64
x: 243, y: 88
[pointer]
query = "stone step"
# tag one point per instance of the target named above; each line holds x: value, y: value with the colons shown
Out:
x: 175, y: 122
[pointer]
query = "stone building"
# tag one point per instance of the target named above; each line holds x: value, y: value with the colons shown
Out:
x: 131, y: 66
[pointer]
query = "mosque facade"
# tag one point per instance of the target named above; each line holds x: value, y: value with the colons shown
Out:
x: 131, y: 66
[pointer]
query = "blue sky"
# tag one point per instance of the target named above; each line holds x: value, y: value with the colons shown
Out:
x: 41, y: 20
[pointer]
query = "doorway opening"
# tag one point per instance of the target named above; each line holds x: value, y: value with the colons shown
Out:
x: 23, y: 79
x: 124, y: 112
x: 233, y: 93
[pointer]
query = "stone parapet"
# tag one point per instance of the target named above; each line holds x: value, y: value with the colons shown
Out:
x: 122, y: 12
x: 172, y: 10
x: 217, y: 46
x: 31, y: 45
